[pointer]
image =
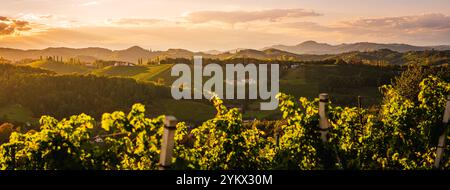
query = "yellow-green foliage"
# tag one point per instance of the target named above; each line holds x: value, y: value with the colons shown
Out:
x: 410, y: 129
x: 403, y: 135
x: 224, y: 143
x: 70, y: 144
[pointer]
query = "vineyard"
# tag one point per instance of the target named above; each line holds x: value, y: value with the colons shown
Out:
x: 404, y: 134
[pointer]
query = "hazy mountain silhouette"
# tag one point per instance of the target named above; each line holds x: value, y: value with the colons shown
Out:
x: 134, y: 53
x: 309, y: 50
x: 312, y: 47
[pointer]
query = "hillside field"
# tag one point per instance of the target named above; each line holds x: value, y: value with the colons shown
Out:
x: 343, y: 82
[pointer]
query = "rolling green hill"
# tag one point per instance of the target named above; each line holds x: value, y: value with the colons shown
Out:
x: 149, y: 73
x: 344, y: 82
x: 41, y: 92
x: 153, y: 72
x: 120, y: 71
x: 60, y: 67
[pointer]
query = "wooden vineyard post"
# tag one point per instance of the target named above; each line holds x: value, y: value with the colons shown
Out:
x: 165, y: 158
x: 360, y: 110
x: 323, y: 119
x: 443, y: 137
x: 277, y: 138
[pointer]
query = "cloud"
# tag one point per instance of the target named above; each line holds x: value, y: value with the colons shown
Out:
x: 248, y: 16
x: 424, y: 28
x: 418, y: 29
x: 426, y: 21
x: 55, y: 37
x: 10, y: 26
x: 45, y: 21
x: 387, y: 24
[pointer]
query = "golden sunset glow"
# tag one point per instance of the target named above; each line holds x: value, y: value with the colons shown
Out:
x: 221, y: 25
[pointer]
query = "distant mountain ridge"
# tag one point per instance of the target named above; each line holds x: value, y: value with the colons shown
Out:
x: 306, y: 51
x: 313, y: 47
x: 134, y: 53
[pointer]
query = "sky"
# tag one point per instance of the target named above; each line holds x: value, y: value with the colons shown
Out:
x: 201, y: 25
